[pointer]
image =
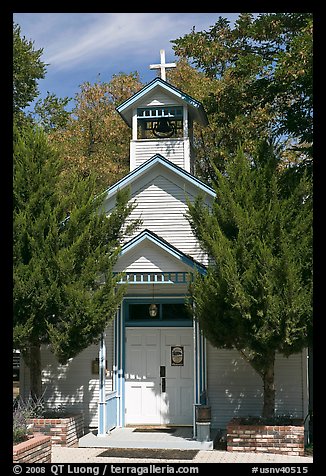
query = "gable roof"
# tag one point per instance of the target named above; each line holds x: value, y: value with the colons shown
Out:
x: 195, y: 107
x: 164, y: 245
x: 149, y: 165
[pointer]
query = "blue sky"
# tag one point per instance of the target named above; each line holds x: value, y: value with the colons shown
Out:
x: 81, y: 46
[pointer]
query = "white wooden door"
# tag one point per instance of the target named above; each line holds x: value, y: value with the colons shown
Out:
x: 142, y: 377
x: 148, y: 398
x: 177, y: 400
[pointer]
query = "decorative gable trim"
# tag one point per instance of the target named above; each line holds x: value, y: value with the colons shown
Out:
x: 148, y: 165
x: 164, y: 245
x: 125, y: 109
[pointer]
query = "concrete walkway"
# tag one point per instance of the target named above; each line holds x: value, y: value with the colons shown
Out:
x: 172, y: 445
x: 128, y: 437
x: 92, y: 455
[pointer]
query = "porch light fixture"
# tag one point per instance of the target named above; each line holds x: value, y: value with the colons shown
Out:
x: 153, y: 307
x: 153, y: 310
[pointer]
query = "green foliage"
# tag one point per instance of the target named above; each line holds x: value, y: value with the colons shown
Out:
x: 257, y: 295
x: 51, y: 113
x: 258, y: 84
x: 65, y: 248
x: 27, y: 69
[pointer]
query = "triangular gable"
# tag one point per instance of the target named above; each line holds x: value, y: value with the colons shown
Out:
x: 149, y: 165
x: 152, y: 248
x: 195, y: 107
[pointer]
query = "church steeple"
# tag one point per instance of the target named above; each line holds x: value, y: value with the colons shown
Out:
x: 161, y: 117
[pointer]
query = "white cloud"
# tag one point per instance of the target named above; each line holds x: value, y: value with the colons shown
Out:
x: 104, y: 35
x: 71, y: 40
x: 81, y: 46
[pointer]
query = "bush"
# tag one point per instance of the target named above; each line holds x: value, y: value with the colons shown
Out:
x: 280, y: 420
x: 22, y: 411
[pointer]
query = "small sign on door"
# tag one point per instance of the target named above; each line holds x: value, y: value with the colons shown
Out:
x: 177, y: 355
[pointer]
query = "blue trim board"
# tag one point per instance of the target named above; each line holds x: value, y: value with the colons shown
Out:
x: 137, y: 297
x: 150, y: 322
x: 119, y: 374
x: 166, y: 299
x: 117, y: 364
x: 204, y: 388
x: 115, y: 360
x: 197, y: 364
x: 102, y: 405
x: 123, y: 366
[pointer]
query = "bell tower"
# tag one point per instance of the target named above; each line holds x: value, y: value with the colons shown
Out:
x: 161, y: 118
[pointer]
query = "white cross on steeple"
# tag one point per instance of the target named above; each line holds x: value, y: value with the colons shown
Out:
x: 163, y: 65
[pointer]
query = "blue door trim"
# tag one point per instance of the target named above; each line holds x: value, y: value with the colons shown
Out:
x: 154, y: 322
x: 120, y: 325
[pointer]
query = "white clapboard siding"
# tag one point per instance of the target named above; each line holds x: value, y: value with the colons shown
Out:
x: 172, y: 149
x: 159, y: 98
x: 235, y: 389
x: 73, y: 387
x: 290, y: 382
x: 148, y: 257
x: 161, y: 205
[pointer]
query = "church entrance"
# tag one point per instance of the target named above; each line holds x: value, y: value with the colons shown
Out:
x: 159, y: 376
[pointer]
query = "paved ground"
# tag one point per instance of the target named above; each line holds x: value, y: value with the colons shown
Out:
x: 91, y: 455
x: 133, y: 437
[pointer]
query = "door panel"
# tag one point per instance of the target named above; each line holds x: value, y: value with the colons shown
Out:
x: 142, y: 381
x: 179, y: 378
x: 147, y: 350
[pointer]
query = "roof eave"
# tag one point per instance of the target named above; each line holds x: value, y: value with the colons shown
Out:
x: 172, y: 250
x: 125, y: 109
x: 157, y: 158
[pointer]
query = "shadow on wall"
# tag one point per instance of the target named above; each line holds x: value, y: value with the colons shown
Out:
x: 235, y: 389
x: 72, y: 387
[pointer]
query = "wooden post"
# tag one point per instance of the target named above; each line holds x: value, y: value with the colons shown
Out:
x: 102, y: 403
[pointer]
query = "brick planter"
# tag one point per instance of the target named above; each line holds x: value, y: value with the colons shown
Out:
x: 63, y: 431
x: 279, y: 439
x: 34, y: 450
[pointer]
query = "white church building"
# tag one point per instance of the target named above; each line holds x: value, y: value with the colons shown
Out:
x: 152, y: 365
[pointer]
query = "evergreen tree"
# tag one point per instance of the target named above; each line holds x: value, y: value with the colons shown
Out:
x: 27, y: 69
x: 257, y: 294
x: 50, y: 113
x: 65, y: 248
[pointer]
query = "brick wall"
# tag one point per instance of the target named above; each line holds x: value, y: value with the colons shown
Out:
x: 63, y: 431
x: 34, y: 450
x: 286, y: 440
